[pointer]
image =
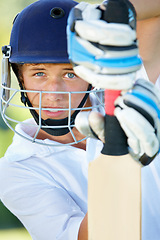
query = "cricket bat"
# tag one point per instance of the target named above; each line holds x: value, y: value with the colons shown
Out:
x: 114, y: 185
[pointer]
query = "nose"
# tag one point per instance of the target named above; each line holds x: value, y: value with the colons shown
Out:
x: 54, y: 87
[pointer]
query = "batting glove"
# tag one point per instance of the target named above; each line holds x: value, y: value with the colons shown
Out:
x: 104, y: 52
x: 138, y: 112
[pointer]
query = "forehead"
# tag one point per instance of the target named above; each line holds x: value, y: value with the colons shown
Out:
x: 61, y: 66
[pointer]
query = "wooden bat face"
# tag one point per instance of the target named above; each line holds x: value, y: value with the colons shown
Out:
x: 114, y: 187
x: 114, y: 198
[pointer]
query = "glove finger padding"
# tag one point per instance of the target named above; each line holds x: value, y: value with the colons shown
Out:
x: 138, y: 112
x: 90, y: 124
x: 103, y: 33
x: 141, y: 134
x: 105, y: 48
x: 106, y: 81
x: 96, y: 122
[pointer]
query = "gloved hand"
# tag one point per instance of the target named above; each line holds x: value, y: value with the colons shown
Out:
x: 104, y: 52
x: 138, y: 112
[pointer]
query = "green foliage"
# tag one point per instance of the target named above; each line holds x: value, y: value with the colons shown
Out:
x: 8, y: 10
x: 7, y: 220
x: 14, y: 234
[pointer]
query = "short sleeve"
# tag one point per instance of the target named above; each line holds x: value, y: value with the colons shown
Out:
x: 44, y: 207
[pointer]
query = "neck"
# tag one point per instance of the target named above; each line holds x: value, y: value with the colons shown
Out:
x: 67, y: 138
x: 149, y: 44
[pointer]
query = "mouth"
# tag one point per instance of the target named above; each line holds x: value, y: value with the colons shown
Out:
x: 52, y: 110
x: 56, y: 112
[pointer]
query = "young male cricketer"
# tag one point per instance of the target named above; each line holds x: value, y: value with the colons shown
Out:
x: 45, y: 183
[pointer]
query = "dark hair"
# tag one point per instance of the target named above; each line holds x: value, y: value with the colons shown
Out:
x: 16, y: 67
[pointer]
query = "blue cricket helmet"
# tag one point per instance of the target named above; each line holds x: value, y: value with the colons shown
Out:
x: 39, y: 36
x: 39, y: 33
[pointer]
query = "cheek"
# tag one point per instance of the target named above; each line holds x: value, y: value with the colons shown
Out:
x: 78, y: 86
x: 32, y: 86
x: 83, y: 85
x: 33, y: 98
x: 77, y: 97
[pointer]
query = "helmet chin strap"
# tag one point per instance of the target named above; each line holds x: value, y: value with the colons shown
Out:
x: 52, y: 122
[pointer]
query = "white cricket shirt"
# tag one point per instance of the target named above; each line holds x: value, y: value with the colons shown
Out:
x: 46, y: 187
x: 151, y: 191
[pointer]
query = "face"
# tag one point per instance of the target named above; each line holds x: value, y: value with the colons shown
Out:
x: 58, y: 78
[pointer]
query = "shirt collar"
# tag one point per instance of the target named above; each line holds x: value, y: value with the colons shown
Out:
x: 22, y: 148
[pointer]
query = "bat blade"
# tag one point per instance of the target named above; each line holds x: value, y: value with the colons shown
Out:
x: 114, y: 185
x: 114, y: 198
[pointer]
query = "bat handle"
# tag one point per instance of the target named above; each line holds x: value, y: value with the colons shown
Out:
x: 115, y: 138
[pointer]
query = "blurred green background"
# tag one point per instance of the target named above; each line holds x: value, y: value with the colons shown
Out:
x: 10, y: 226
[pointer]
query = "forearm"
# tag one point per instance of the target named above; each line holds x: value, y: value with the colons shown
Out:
x: 146, y: 8
x: 83, y: 230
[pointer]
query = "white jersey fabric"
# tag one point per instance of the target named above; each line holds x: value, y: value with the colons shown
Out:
x: 46, y: 188
x: 150, y: 190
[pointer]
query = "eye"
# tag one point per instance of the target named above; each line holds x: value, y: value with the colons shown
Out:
x: 39, y: 74
x: 70, y: 75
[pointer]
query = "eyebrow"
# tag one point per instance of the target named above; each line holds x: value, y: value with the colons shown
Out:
x: 68, y: 69
x: 42, y: 69
x: 37, y: 69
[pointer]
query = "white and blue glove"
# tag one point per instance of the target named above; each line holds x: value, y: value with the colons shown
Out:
x: 138, y: 112
x: 103, y: 52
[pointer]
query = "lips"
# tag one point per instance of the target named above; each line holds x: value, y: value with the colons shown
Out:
x: 54, y: 112
x: 53, y: 109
